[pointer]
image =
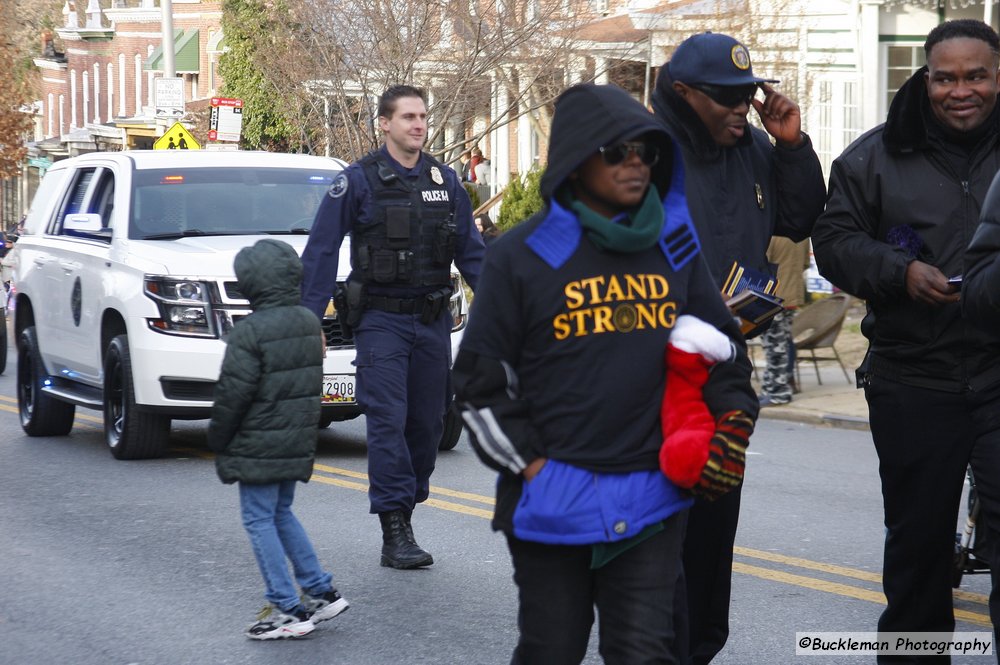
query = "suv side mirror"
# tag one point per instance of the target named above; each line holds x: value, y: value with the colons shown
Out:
x: 86, y: 224
x: 83, y: 223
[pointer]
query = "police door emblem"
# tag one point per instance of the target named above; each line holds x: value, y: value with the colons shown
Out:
x: 436, y: 175
x: 338, y: 187
x: 741, y: 57
x: 760, y: 195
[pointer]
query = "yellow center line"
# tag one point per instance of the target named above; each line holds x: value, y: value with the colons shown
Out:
x: 810, y: 565
x: 756, y: 571
x: 14, y: 409
x: 810, y: 582
x: 340, y: 483
x: 342, y: 472
x: 842, y: 571
x: 459, y: 508
x: 840, y: 589
x: 970, y: 596
x: 455, y: 494
x: 815, y: 584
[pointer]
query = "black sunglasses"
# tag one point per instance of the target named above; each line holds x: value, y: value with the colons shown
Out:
x: 729, y: 96
x: 618, y: 153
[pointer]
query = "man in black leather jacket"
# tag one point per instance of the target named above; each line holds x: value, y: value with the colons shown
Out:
x: 904, y: 201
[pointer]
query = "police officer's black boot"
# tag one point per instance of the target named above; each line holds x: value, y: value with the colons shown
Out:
x: 398, y: 547
x: 408, y: 514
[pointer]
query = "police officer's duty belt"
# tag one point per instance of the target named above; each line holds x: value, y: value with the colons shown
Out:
x: 396, y: 305
x: 429, y: 306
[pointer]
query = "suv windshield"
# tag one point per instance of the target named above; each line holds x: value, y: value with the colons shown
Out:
x: 174, y: 203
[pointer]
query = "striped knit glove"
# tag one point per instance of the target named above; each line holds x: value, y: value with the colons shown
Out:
x: 726, y: 456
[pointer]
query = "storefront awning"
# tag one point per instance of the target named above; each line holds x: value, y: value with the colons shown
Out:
x: 186, y: 54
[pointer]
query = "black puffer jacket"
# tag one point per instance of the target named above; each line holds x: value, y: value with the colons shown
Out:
x: 981, y: 287
x: 267, y: 401
x: 898, y: 193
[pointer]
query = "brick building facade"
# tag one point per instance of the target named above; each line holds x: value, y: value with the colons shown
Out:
x: 100, y: 89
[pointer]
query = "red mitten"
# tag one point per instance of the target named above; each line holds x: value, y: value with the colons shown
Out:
x: 687, y: 424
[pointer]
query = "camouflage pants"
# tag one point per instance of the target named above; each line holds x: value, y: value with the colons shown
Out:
x: 777, y: 343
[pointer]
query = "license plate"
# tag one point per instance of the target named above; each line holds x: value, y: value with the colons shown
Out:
x: 339, y: 389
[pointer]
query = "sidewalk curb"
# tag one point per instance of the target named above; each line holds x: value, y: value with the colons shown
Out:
x: 812, y: 418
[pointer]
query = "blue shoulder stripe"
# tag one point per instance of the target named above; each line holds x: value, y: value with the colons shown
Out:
x: 557, y: 237
x: 679, y: 239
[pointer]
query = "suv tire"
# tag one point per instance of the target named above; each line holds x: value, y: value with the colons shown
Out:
x: 3, y: 339
x: 41, y: 414
x: 129, y: 432
x: 452, y: 429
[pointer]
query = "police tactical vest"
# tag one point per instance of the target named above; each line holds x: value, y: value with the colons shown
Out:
x: 410, y: 238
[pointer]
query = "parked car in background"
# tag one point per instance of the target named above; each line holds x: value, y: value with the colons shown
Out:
x: 125, y: 290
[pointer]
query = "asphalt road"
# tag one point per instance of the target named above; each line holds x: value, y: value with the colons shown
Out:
x: 107, y: 562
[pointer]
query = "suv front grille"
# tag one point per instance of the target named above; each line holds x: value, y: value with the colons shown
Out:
x: 331, y: 323
x: 233, y: 291
x: 335, y: 334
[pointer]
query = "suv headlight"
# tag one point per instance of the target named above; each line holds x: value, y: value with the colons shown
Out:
x: 183, y: 306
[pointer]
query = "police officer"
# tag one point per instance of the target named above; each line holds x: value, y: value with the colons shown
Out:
x: 409, y: 218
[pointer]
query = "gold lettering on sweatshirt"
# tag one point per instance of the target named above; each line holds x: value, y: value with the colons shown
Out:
x: 612, y: 303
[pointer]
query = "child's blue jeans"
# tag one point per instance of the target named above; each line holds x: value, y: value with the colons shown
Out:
x: 276, y: 534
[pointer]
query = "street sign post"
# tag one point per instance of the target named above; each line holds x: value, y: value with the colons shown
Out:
x: 168, y: 97
x: 177, y: 138
x: 226, y: 120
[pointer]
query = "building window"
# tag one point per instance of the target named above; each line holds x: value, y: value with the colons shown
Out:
x: 901, y: 62
x: 137, y: 63
x: 111, y: 91
x: 122, y: 112
x: 835, y: 116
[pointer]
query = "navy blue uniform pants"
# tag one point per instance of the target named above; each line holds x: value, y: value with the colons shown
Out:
x: 702, y: 615
x: 633, y: 594
x: 925, y: 439
x: 403, y: 367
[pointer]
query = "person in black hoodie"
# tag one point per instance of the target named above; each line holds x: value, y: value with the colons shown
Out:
x: 905, y: 199
x: 560, y: 378
x: 742, y: 190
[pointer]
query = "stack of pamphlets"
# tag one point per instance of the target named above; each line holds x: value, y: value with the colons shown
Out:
x: 750, y: 296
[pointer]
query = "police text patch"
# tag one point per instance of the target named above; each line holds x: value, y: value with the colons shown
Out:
x: 435, y: 195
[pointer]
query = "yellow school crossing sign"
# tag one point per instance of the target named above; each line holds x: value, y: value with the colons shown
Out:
x: 176, y: 138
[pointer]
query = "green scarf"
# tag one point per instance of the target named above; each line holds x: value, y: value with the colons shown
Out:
x: 642, y: 231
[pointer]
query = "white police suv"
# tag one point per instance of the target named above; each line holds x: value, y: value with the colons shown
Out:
x: 125, y: 290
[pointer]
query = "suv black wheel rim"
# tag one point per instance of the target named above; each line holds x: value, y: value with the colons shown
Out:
x: 116, y: 402
x: 26, y: 385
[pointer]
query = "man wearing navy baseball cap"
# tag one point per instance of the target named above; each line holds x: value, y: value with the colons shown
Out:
x: 741, y: 188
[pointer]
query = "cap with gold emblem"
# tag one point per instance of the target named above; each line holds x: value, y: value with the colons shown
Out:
x: 713, y: 58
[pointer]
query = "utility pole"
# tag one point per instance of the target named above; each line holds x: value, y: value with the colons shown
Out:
x: 167, y: 22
